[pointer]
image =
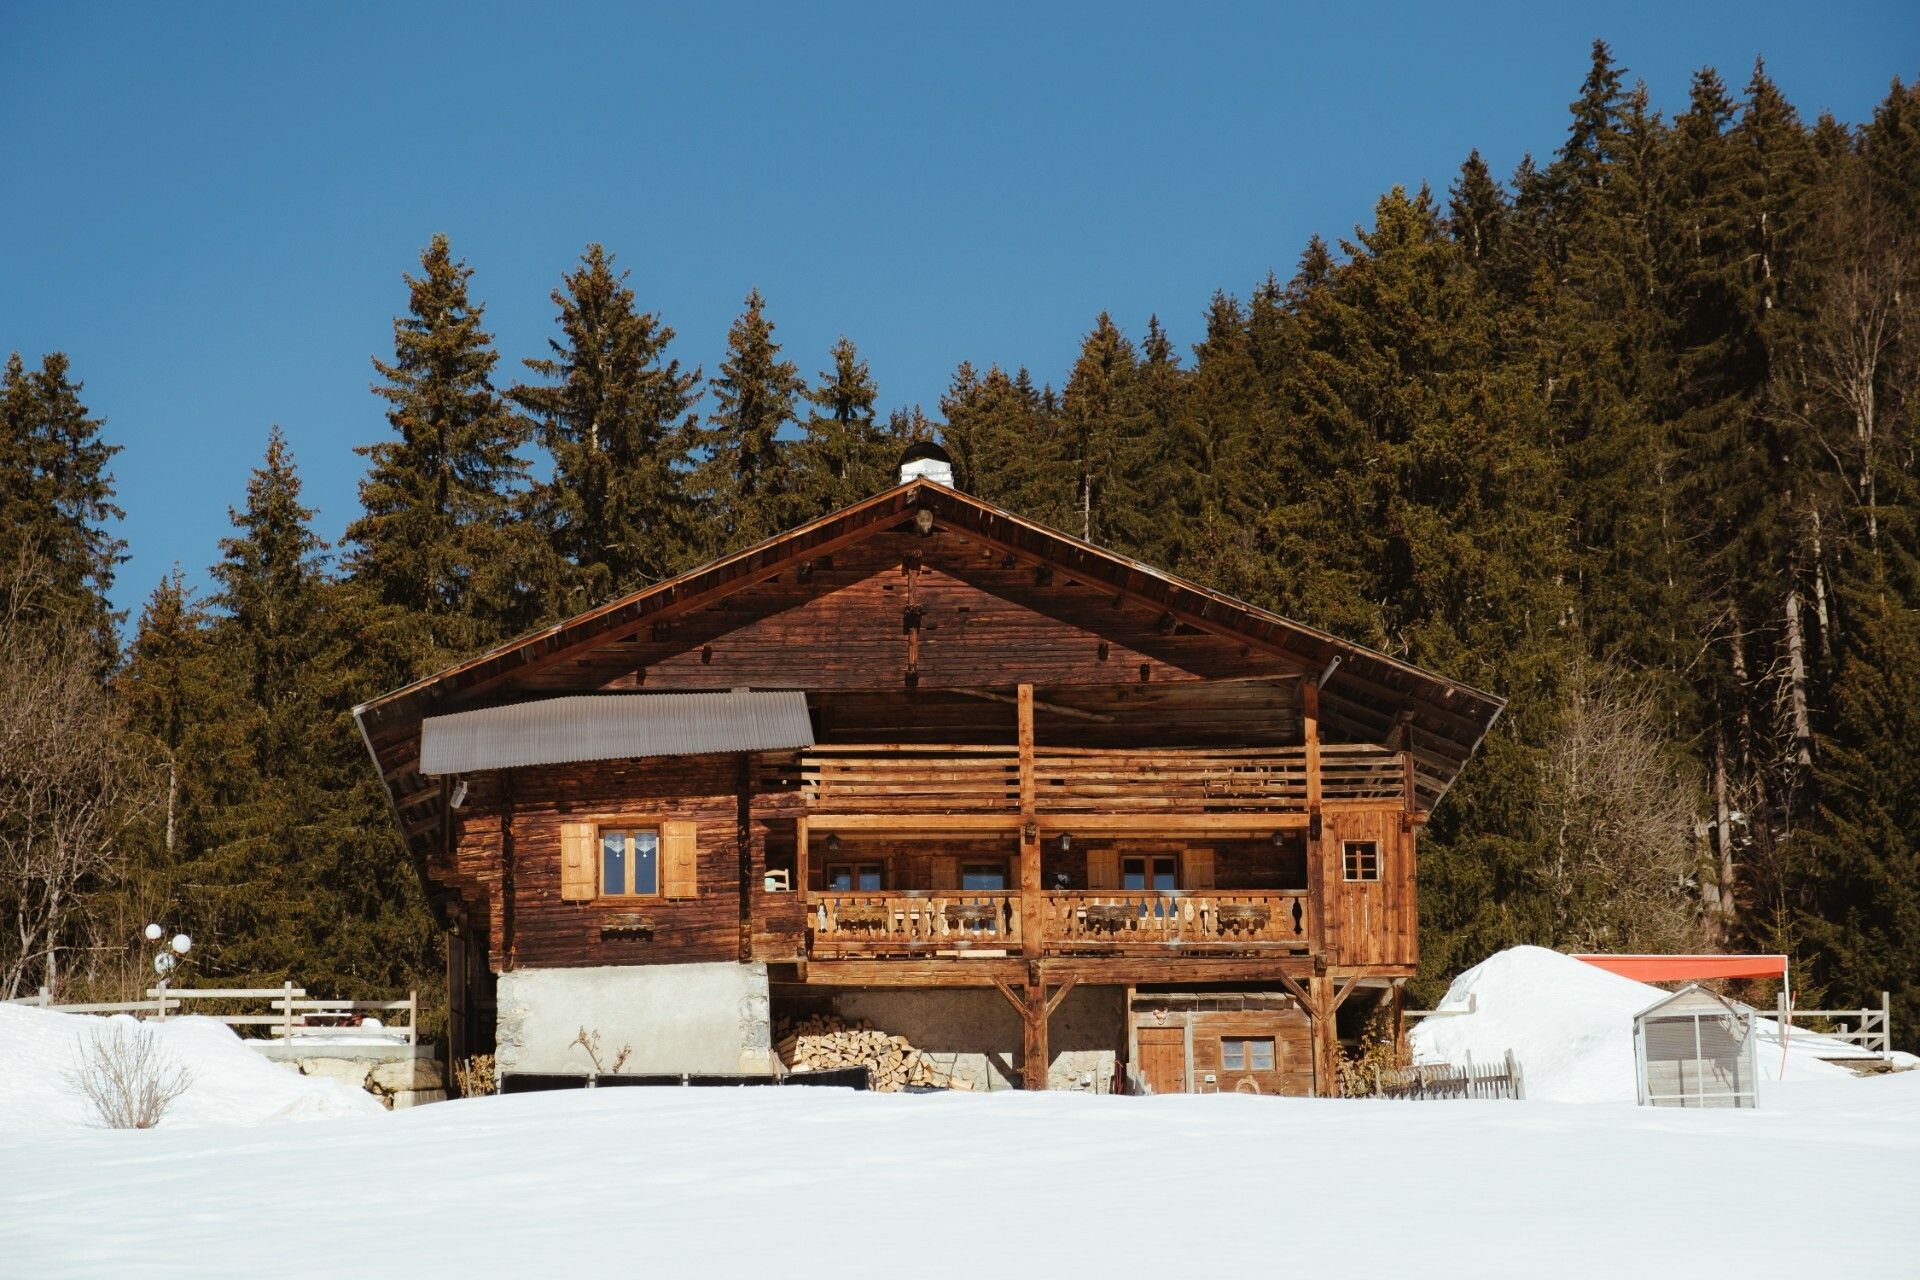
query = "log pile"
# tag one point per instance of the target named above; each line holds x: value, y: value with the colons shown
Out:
x: 822, y: 1042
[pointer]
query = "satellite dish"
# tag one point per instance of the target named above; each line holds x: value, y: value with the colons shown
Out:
x: 153, y: 932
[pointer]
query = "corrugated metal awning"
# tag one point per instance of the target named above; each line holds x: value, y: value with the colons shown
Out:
x: 614, y: 727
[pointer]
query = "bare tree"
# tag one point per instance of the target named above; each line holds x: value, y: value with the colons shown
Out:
x: 1619, y: 803
x: 67, y: 784
x: 128, y: 1076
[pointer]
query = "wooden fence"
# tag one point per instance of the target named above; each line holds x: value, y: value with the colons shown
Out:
x: 1444, y: 1080
x: 1872, y: 1029
x: 290, y: 1010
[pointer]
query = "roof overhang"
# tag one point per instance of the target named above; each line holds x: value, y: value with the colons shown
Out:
x: 613, y: 727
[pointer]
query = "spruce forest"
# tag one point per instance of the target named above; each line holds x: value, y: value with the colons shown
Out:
x: 1627, y: 436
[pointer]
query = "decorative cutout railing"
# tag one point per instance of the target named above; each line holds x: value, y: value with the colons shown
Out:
x: 879, y: 924
x: 1109, y: 920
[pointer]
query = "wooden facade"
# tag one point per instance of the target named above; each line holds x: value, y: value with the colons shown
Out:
x: 1036, y: 765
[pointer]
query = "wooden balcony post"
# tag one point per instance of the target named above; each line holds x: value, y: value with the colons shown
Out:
x: 1031, y: 906
x: 1310, y: 738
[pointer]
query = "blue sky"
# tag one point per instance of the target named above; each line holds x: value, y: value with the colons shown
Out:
x: 209, y: 207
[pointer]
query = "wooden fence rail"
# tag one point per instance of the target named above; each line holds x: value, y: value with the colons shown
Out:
x: 1445, y: 1080
x: 291, y: 1009
x: 1873, y: 1031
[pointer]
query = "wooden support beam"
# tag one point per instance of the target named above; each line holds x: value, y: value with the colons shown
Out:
x: 1059, y: 994
x: 1033, y: 1044
x: 1326, y: 1038
x: 1170, y: 824
x: 1014, y: 997
x: 800, y: 856
x: 1032, y: 916
x: 1054, y: 708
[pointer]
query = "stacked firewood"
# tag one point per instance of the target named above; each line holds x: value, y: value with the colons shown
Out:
x: 822, y: 1042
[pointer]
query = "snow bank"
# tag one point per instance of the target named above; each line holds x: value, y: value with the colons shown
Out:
x: 757, y: 1183
x: 232, y: 1084
x: 1571, y: 1027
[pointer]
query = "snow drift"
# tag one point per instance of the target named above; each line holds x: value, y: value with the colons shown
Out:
x: 1571, y: 1027
x: 41, y: 1048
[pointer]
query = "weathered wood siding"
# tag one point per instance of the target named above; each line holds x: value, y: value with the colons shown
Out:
x: 1368, y: 922
x: 955, y: 612
x: 506, y: 860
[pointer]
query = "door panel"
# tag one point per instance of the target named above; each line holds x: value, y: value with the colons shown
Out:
x: 1163, y: 1058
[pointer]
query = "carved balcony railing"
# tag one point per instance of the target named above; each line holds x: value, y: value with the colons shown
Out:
x: 1091, y: 922
x: 938, y: 923
x: 1133, y: 921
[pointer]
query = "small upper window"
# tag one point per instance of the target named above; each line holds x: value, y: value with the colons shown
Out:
x: 1246, y: 1053
x: 629, y: 862
x: 983, y: 877
x: 853, y: 877
x: 1362, y: 859
x: 1157, y: 874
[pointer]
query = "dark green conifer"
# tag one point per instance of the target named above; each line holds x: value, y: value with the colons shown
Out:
x: 746, y: 472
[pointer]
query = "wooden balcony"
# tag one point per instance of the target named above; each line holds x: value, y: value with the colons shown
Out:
x: 985, y: 781
x: 959, y: 924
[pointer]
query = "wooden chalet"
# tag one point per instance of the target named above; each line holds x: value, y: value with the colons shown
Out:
x: 1031, y: 803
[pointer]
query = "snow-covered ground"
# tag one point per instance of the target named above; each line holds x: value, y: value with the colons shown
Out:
x: 805, y: 1182
x: 823, y: 1182
x: 231, y: 1084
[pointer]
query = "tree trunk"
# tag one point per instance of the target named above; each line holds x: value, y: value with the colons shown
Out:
x: 1797, y: 681
x: 1721, y: 904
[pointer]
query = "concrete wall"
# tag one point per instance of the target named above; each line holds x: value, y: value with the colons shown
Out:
x: 976, y: 1034
x: 701, y: 1019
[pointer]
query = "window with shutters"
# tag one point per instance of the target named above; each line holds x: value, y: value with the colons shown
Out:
x: 1362, y: 858
x: 629, y: 862
x: 628, y: 857
x: 1160, y: 875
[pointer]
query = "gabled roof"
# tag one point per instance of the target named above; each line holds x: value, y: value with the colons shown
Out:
x: 1365, y: 696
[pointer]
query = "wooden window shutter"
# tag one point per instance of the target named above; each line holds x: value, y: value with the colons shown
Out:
x: 679, y: 860
x: 1196, y: 870
x: 579, y: 876
x: 1103, y: 869
x: 945, y: 872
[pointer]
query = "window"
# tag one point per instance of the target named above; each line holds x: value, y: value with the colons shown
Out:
x: 1246, y: 1053
x: 983, y: 877
x: 1362, y: 859
x: 629, y: 862
x: 853, y: 877
x: 1158, y: 874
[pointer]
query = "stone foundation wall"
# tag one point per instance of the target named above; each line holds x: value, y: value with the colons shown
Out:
x: 402, y: 1075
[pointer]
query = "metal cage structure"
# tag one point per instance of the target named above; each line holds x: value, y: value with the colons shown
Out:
x: 1695, y: 1049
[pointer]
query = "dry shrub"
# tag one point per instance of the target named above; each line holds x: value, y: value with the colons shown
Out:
x: 473, y: 1077
x: 1360, y: 1073
x: 128, y: 1076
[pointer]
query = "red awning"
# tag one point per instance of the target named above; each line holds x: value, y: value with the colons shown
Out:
x: 1689, y: 968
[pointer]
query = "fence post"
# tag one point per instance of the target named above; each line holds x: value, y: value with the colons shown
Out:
x: 1886, y: 1024
x: 413, y: 1016
x: 286, y: 1006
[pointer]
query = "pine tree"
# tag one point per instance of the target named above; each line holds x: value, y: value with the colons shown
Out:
x: 56, y: 494
x: 746, y: 472
x: 1858, y: 889
x: 846, y: 454
x: 1000, y: 435
x: 441, y: 542
x: 614, y: 413
x: 1104, y: 426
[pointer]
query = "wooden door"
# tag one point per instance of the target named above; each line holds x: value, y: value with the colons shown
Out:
x: 1163, y: 1058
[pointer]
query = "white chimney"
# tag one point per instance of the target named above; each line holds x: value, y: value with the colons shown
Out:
x: 926, y: 461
